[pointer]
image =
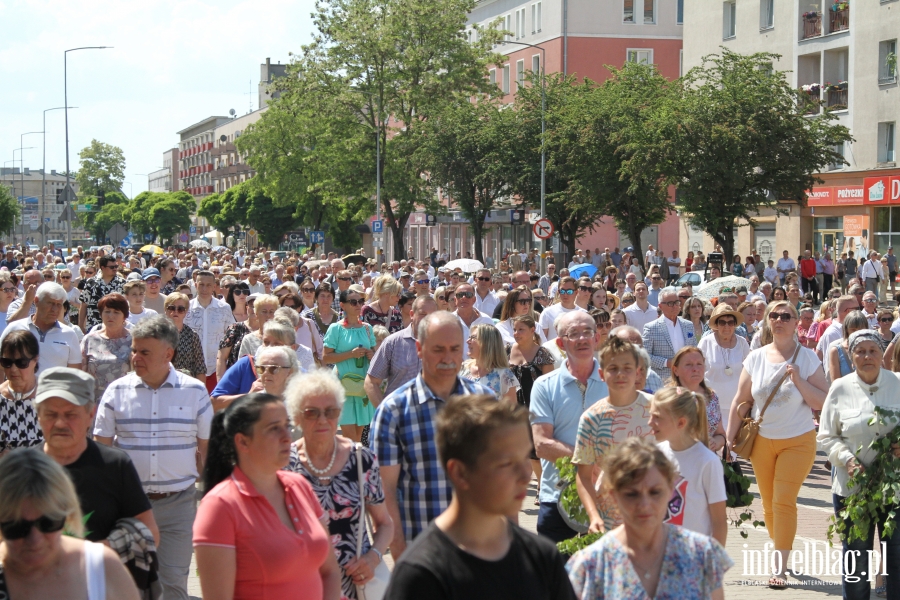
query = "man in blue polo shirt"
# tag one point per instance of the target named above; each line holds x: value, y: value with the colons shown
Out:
x: 558, y: 400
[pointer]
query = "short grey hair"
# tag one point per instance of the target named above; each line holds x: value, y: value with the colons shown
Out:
x: 158, y: 328
x: 280, y: 330
x: 441, y: 317
x: 254, y: 269
x: 320, y: 382
x: 645, y: 358
x: 288, y: 315
x: 669, y: 289
x: 288, y: 355
x: 51, y: 290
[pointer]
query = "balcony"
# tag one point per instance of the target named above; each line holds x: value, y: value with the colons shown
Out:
x: 836, y: 96
x: 812, y: 25
x: 839, y: 17
x: 223, y: 148
x: 810, y: 98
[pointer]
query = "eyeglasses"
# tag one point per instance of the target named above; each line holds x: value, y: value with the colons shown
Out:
x: 441, y: 298
x: 566, y: 292
x: 727, y: 322
x: 344, y: 278
x: 540, y: 298
x: 670, y: 303
x: 858, y: 293
x: 49, y: 277
x: 684, y: 297
x: 785, y: 317
x: 65, y: 277
x: 353, y: 302
x: 523, y: 301
x: 483, y: 278
x: 578, y: 335
x: 9, y: 290
x: 628, y: 301
x: 178, y: 309
x: 116, y: 266
x: 313, y: 414
x: 422, y: 281
x: 21, y: 363
x: 89, y: 273
x: 461, y: 295
x: 152, y: 281
x: 272, y: 369
x: 241, y: 292
x: 16, y: 530
x: 604, y: 324
x: 870, y: 301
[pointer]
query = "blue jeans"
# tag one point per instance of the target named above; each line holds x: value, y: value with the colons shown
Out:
x: 860, y: 590
x: 551, y: 524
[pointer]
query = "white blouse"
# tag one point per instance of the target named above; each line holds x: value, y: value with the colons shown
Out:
x: 723, y: 369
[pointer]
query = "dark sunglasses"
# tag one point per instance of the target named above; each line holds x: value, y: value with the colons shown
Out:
x: 566, y: 292
x: 628, y: 302
x: 241, y: 292
x: 460, y: 295
x: 785, y: 317
x: 16, y: 530
x: 344, y: 278
x: 89, y: 273
x: 886, y: 320
x: 524, y: 301
x: 178, y: 309
x: 727, y: 322
x: 442, y: 298
x: 353, y: 302
x: 273, y: 369
x: 65, y: 277
x: 483, y: 278
x: 21, y: 363
x: 585, y: 288
x: 312, y: 414
x: 308, y: 290
x: 684, y: 297
x: 422, y: 281
x: 49, y: 278
x: 112, y: 266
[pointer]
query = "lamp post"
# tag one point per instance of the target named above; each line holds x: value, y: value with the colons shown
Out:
x: 22, y: 168
x: 66, y: 109
x: 22, y: 177
x: 44, y: 174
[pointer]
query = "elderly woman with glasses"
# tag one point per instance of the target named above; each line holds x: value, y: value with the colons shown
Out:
x: 18, y: 420
x: 37, y: 503
x: 189, y: 352
x: 724, y: 352
x: 349, y: 346
x: 106, y: 351
x: 519, y: 302
x: 331, y: 464
x: 275, y: 365
x: 848, y: 427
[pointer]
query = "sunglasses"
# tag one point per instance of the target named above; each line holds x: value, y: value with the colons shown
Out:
x: 585, y: 288
x: 49, y: 278
x: 627, y: 302
x: 886, y: 320
x: 483, y: 278
x: 65, y: 277
x: 523, y: 301
x: 684, y: 297
x: 604, y: 324
x: 727, y: 322
x: 785, y: 317
x: 566, y: 292
x: 16, y: 530
x: 90, y: 272
x: 178, y: 309
x: 422, y: 281
x: 273, y: 369
x: 354, y: 302
x: 870, y: 301
x: 442, y: 298
x: 21, y: 363
x: 308, y: 290
x: 241, y: 292
x: 343, y: 278
x: 313, y: 414
x: 460, y: 295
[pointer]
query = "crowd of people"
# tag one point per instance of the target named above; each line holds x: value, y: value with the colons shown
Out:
x: 325, y: 412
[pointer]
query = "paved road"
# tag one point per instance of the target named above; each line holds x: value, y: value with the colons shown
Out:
x: 742, y: 581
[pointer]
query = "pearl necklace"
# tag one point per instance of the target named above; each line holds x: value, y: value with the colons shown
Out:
x: 321, y: 472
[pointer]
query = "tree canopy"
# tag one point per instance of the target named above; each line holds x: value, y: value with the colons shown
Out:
x: 162, y: 214
x: 9, y: 210
x: 102, y: 169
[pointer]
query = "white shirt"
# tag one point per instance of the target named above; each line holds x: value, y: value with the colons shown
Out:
x: 786, y: 264
x: 873, y: 320
x: 675, y: 334
x: 788, y: 415
x: 549, y: 316
x: 59, y: 347
x: 717, y: 360
x: 754, y: 296
x: 870, y: 270
x: 486, y: 304
x: 674, y: 264
x: 135, y: 318
x: 700, y: 482
x: 75, y: 268
x: 306, y: 338
x: 832, y: 333
x: 481, y: 319
x: 256, y: 288
x: 637, y: 317
x: 771, y: 275
x: 210, y: 324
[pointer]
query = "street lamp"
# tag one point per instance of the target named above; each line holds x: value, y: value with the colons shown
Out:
x: 22, y: 166
x: 22, y: 175
x: 44, y: 174
x: 66, y: 109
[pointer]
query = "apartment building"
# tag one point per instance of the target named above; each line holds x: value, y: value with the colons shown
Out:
x: 38, y: 206
x: 843, y: 55
x: 165, y: 179
x: 575, y: 37
x: 229, y: 166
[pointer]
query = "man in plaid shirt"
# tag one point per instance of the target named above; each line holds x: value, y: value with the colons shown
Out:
x: 416, y: 489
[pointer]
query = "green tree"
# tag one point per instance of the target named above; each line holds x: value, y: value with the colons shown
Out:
x: 92, y: 220
x: 574, y: 210
x: 734, y: 139
x: 9, y: 210
x: 107, y: 218
x: 374, y: 59
x: 161, y: 214
x: 102, y: 169
x: 462, y: 146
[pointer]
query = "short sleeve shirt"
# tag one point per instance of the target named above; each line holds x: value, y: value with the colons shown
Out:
x: 272, y: 561
x: 787, y: 415
x: 94, y: 289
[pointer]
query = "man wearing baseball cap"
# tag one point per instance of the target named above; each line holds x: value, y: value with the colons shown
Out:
x: 105, y: 479
x: 153, y: 297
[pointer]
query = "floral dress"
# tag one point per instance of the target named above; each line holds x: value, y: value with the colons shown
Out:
x: 19, y: 426
x: 106, y: 359
x: 393, y: 321
x: 527, y: 373
x: 693, y: 567
x: 234, y: 334
x: 339, y: 498
x: 189, y: 353
x: 498, y: 380
x: 713, y: 413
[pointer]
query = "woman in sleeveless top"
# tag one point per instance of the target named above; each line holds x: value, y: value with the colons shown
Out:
x: 36, y: 559
x: 839, y: 363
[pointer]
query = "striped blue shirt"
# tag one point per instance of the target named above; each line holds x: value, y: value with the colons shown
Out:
x: 403, y: 433
x: 158, y: 428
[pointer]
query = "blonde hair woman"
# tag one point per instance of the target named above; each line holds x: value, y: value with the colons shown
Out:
x: 489, y: 365
x: 518, y: 303
x: 381, y: 305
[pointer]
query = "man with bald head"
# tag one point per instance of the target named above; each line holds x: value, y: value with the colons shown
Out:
x: 416, y: 489
x: 24, y: 306
x: 558, y: 400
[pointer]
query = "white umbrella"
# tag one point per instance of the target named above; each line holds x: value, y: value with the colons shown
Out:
x: 468, y: 265
x: 711, y: 289
x: 200, y: 244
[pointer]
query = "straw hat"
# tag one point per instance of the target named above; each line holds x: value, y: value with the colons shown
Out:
x: 723, y: 310
x: 610, y: 297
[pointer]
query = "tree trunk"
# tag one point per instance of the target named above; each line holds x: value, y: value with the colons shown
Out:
x: 634, y: 233
x: 567, y: 239
x: 478, y: 232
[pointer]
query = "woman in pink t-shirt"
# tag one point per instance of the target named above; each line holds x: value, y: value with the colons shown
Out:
x: 260, y: 531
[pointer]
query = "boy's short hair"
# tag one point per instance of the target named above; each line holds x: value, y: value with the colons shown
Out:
x: 467, y: 423
x: 614, y: 346
x: 130, y: 285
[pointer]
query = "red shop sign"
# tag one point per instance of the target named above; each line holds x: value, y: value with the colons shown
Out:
x: 820, y: 196
x: 882, y: 190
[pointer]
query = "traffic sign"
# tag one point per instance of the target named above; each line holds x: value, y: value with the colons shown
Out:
x: 125, y: 242
x: 46, y: 219
x: 543, y: 229
x: 193, y: 229
x: 68, y: 214
x: 296, y: 237
x: 377, y: 226
x: 117, y: 233
x: 317, y: 237
x: 84, y: 207
x: 67, y: 195
x: 183, y: 238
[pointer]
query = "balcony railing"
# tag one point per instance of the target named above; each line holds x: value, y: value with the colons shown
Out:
x: 837, y: 98
x: 840, y: 20
x: 810, y: 98
x: 812, y: 25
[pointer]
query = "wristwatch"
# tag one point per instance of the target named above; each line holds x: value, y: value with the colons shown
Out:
x: 377, y: 553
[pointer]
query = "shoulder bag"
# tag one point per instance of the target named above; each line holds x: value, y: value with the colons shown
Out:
x: 377, y: 586
x: 749, y: 428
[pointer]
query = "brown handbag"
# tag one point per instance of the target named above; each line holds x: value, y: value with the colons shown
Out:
x: 749, y: 429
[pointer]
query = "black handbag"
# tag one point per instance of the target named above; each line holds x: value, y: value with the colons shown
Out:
x: 737, y: 486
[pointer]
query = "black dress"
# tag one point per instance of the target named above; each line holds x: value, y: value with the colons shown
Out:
x: 526, y: 374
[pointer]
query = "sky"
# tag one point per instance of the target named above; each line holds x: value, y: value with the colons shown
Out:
x: 173, y: 63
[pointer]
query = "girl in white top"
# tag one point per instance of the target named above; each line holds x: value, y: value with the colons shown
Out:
x: 678, y: 420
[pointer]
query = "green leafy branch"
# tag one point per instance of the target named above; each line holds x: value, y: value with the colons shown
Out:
x: 737, y: 517
x: 877, y: 486
x: 570, y: 501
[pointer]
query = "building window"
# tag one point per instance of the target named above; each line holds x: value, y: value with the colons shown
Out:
x: 536, y: 63
x: 506, y: 78
x: 520, y: 74
x: 766, y: 14
x: 507, y: 25
x: 887, y: 61
x: 536, y: 19
x: 729, y: 10
x: 643, y: 56
x: 837, y: 164
x: 649, y: 12
x: 520, y: 23
x: 886, y: 143
x: 492, y: 76
x: 629, y: 12
x: 679, y: 12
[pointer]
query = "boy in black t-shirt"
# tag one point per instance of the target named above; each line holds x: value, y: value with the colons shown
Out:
x: 472, y: 550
